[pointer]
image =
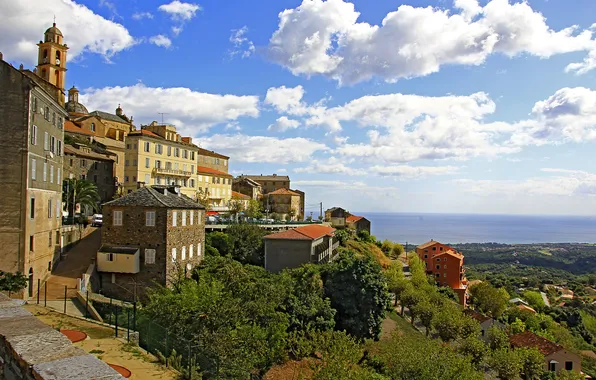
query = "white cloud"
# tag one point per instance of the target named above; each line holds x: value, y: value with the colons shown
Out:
x: 176, y: 30
x: 331, y: 191
x: 190, y: 111
x: 283, y: 124
x: 285, y: 99
x: 161, y: 41
x: 588, y: 64
x: 325, y: 38
x: 24, y: 22
x: 180, y: 11
x: 331, y: 166
x: 142, y: 15
x: 262, y: 148
x: 410, y: 172
x: 242, y: 46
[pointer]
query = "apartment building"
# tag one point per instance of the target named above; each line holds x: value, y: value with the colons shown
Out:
x: 32, y: 149
x: 269, y: 183
x: 247, y: 187
x: 157, y: 155
x: 285, y: 204
x: 153, y: 234
x: 446, y: 265
x: 216, y: 186
x: 82, y: 162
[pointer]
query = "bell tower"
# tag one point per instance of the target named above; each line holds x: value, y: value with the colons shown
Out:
x: 51, y: 62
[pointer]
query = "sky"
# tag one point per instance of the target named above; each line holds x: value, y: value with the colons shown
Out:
x: 442, y: 106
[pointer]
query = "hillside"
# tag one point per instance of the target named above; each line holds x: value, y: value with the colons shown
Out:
x: 369, y: 249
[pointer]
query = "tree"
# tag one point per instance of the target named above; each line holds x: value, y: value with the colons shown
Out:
x: 247, y: 243
x: 475, y: 349
x: 83, y: 192
x: 12, y: 282
x: 447, y: 322
x: 532, y: 363
x: 425, y: 311
x: 497, y: 338
x: 342, y: 237
x: 357, y: 289
x: 506, y: 364
x: 488, y: 299
x: 397, y: 250
x: 569, y: 375
x: 534, y: 299
x: 410, y: 299
x: 220, y: 241
x: 469, y: 327
x: 254, y: 209
x: 387, y: 246
x: 236, y: 206
x: 517, y: 327
x: 202, y: 198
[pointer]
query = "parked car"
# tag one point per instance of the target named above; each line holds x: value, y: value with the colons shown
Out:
x: 97, y: 220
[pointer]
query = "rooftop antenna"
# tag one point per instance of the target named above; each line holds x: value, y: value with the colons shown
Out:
x: 54, y: 19
x: 163, y: 113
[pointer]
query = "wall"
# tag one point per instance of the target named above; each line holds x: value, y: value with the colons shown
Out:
x: 213, y: 161
x: 183, y: 236
x: 100, y: 172
x: 218, y: 186
x: 561, y: 357
x: 431, y: 251
x: 30, y: 349
x: 121, y: 263
x: 283, y: 253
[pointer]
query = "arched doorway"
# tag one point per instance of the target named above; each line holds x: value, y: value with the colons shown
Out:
x: 30, y: 282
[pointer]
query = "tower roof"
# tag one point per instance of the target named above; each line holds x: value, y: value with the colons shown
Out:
x: 54, y: 30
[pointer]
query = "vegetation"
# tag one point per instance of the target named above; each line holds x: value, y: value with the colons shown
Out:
x: 12, y: 282
x: 83, y: 192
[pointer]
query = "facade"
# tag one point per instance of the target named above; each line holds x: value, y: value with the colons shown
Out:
x: 485, y: 322
x: 214, y: 188
x: 247, y: 187
x: 301, y: 209
x: 149, y: 236
x: 270, y: 183
x: 213, y: 160
x: 446, y: 266
x: 285, y: 203
x: 82, y: 162
x: 303, y: 245
x: 32, y: 148
x: 337, y: 217
x: 157, y: 155
x: 556, y: 357
x: 241, y: 198
x: 358, y: 223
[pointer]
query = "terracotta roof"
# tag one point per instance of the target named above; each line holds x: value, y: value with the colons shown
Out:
x: 69, y: 149
x: 247, y: 181
x: 353, y: 218
x: 239, y: 195
x: 204, y: 169
x: 145, y: 133
x: 311, y: 232
x: 283, y: 192
x: 526, y: 308
x: 476, y: 315
x: 210, y: 153
x: 529, y: 339
x: 428, y: 244
x: 451, y: 253
x: 69, y: 126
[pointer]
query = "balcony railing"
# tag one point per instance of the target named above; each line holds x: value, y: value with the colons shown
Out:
x: 174, y: 172
x: 335, y: 246
x: 220, y: 208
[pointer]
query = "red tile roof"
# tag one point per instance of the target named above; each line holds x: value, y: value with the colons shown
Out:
x: 428, y: 244
x: 239, y: 195
x: 529, y: 339
x: 353, y: 218
x: 145, y: 132
x: 69, y: 126
x: 210, y: 153
x: 283, y: 192
x: 526, y: 308
x: 311, y: 232
x: 204, y: 169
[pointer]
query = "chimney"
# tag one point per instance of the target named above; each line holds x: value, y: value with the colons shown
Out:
x: 1, y: 56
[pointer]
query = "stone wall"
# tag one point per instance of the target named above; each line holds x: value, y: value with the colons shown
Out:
x: 32, y: 350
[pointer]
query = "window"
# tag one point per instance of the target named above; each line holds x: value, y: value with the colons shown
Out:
x: 173, y: 255
x: 192, y: 169
x: 185, y: 153
x: 150, y: 218
x: 199, y: 249
x: 53, y: 144
x: 60, y: 123
x: 92, y: 127
x: 51, y: 173
x: 34, y: 135
x: 437, y: 275
x: 83, y: 177
x: 426, y: 256
x: 169, y: 151
x: 176, y: 152
x: 134, y: 178
x: 175, y: 166
x: 45, y: 171
x: 50, y: 208
x: 440, y: 248
x: 134, y: 162
x: 445, y: 259
x: 32, y: 208
x: 147, y: 162
x: 149, y: 256
x: 110, y: 257
x: 31, y: 243
x: 184, y: 218
x: 59, y: 149
x: 54, y: 118
x: 438, y: 267
x: 126, y: 178
x: 568, y: 366
x: 444, y: 275
x: 83, y: 163
x: 34, y: 105
x: 158, y: 148
x: 190, y: 251
x: 117, y: 218
x: 438, y: 259
x: 46, y: 141
x: 113, y: 278
x: 434, y: 248
x: 158, y: 164
x: 147, y: 146
x: 445, y: 266
x: 147, y: 178
x: 183, y: 253
x: 126, y: 163
x: 58, y: 209
x: 192, y: 183
x: 50, y: 239
x: 552, y: 366
x: 174, y: 218
x: 192, y: 156
x: 184, y: 167
x: 192, y: 217
x: 33, y: 168
x: 47, y: 113
x: 127, y: 146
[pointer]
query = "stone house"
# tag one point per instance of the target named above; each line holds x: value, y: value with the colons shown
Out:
x: 247, y: 187
x: 292, y: 248
x: 269, y: 183
x: 485, y: 322
x: 336, y: 216
x: 556, y: 357
x: 149, y: 236
x: 358, y: 223
x: 32, y: 114
x: 82, y: 162
x: 285, y: 203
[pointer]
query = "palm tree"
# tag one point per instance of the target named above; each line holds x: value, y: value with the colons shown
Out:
x: 83, y: 192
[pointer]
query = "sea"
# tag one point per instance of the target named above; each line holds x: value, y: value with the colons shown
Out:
x: 415, y: 228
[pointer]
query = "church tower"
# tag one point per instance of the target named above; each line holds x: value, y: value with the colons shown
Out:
x: 51, y: 62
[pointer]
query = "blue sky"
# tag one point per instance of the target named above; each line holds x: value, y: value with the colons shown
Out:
x: 416, y: 106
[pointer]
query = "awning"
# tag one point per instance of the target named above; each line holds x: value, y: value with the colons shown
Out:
x: 211, y: 213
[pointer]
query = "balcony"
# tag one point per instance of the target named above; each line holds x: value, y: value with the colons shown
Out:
x: 220, y: 208
x: 335, y: 246
x: 173, y: 172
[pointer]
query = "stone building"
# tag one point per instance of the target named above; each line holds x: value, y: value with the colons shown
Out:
x: 298, y: 246
x: 269, y: 183
x: 31, y: 149
x: 82, y: 162
x: 150, y: 235
x: 247, y: 187
x: 336, y: 216
x: 358, y: 223
x: 285, y: 203
x: 158, y: 155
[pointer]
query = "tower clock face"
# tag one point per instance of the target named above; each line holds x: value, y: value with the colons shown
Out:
x: 57, y: 61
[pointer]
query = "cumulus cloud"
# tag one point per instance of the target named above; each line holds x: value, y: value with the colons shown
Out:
x: 355, y: 190
x: 190, y: 111
x: 142, y: 15
x: 331, y: 166
x: 161, y: 41
x: 325, y: 38
x: 24, y: 22
x: 179, y: 11
x: 242, y: 46
x: 412, y: 172
x: 283, y: 124
x: 262, y: 148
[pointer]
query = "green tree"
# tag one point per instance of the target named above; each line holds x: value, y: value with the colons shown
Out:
x: 410, y: 299
x: 247, y: 243
x: 506, y: 363
x: 83, y: 192
x: 220, y: 241
x: 387, y: 246
x: 342, y: 236
x: 489, y: 299
x: 202, y: 198
x: 532, y: 363
x: 425, y: 311
x: 497, y: 338
x: 447, y: 322
x: 517, y: 327
x: 397, y: 250
x: 475, y: 349
x: 469, y: 327
x: 236, y: 206
x: 534, y: 299
x: 12, y: 282
x: 570, y: 375
x: 357, y: 289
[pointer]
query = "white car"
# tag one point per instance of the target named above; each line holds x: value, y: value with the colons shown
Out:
x: 97, y: 220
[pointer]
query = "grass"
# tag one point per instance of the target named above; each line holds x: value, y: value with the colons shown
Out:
x: 369, y: 249
x: 404, y: 327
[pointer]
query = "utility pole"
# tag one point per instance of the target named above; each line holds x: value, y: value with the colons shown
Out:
x: 267, y: 208
x: 321, y: 211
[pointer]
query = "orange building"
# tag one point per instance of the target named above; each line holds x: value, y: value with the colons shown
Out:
x: 446, y: 266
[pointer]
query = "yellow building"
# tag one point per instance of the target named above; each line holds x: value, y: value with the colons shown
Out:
x: 214, y: 180
x: 158, y: 155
